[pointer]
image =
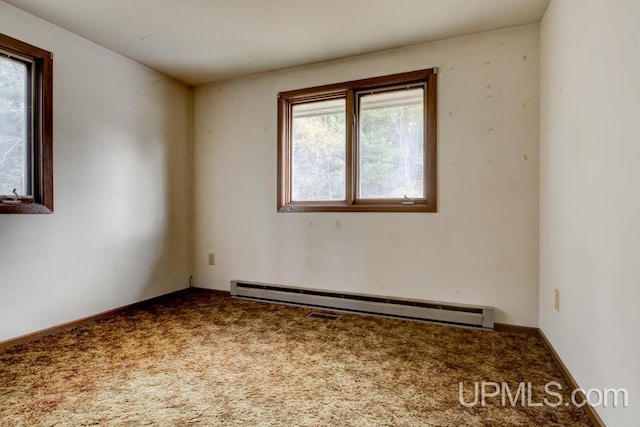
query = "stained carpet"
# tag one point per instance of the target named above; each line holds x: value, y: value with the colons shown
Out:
x: 200, y: 359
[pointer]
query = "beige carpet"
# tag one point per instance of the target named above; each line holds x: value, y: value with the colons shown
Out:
x: 199, y: 359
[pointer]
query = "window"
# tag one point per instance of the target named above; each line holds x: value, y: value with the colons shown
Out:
x: 363, y: 146
x: 26, y: 128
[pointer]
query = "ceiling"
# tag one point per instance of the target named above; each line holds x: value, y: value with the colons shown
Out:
x: 199, y: 41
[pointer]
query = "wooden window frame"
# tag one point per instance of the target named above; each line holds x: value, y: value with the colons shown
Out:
x: 350, y: 92
x: 41, y: 138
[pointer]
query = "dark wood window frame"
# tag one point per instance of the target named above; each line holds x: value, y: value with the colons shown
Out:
x: 41, y: 135
x: 349, y: 91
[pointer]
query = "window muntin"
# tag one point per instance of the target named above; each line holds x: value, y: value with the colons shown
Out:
x: 26, y: 128
x: 390, y: 155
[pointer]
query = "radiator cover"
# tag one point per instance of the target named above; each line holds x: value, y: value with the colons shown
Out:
x: 480, y: 317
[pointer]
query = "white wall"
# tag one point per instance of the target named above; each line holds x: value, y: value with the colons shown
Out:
x: 122, y: 153
x: 589, y: 196
x: 482, y: 245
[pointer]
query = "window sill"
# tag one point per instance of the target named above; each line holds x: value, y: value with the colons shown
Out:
x: 370, y: 207
x: 24, y: 208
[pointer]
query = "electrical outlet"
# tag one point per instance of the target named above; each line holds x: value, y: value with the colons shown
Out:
x: 212, y: 259
x: 556, y: 301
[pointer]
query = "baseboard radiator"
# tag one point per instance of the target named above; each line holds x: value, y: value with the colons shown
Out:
x: 480, y: 317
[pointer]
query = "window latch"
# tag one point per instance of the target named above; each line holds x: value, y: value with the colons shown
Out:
x: 407, y: 201
x: 15, y: 201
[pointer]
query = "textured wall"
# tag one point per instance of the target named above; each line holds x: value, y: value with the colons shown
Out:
x: 482, y: 245
x: 589, y: 228
x: 122, y: 154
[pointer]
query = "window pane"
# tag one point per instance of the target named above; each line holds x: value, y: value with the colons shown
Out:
x: 13, y: 127
x: 319, y: 151
x: 391, y: 137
